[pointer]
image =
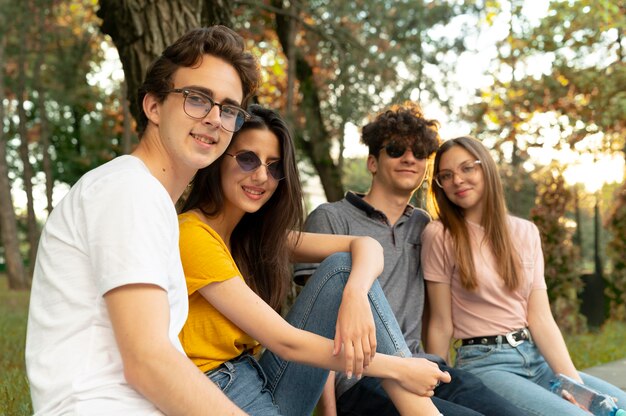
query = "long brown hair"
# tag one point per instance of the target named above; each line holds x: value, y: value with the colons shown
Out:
x: 493, y: 220
x: 259, y: 241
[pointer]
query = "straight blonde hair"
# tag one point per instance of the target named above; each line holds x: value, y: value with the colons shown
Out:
x: 493, y: 220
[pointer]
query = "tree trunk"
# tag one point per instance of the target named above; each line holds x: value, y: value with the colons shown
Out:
x: 314, y: 138
x: 8, y: 222
x: 27, y: 169
x: 44, y: 135
x: 141, y: 29
x: 127, y: 135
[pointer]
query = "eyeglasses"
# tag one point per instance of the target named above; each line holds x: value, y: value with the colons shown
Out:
x: 248, y: 161
x: 395, y: 150
x: 197, y: 105
x: 466, y: 170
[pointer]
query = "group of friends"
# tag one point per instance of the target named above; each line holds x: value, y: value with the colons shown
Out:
x: 139, y: 309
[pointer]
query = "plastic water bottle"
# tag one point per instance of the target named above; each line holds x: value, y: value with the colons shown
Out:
x: 595, y: 402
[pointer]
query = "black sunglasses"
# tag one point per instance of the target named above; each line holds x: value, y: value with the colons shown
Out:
x: 395, y: 150
x: 248, y: 161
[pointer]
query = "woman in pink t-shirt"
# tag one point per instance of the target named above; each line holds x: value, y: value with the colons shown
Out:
x: 486, y: 288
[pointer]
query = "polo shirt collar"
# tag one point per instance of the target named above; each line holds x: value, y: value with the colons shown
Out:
x: 356, y: 199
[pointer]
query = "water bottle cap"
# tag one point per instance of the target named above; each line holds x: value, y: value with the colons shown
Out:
x: 620, y: 412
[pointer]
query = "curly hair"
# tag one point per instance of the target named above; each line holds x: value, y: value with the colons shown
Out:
x: 187, y: 51
x: 403, y: 123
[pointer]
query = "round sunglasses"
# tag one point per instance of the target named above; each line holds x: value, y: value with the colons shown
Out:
x: 248, y: 161
x: 395, y: 150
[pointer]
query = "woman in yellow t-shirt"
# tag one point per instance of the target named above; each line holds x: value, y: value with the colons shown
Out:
x: 236, y: 244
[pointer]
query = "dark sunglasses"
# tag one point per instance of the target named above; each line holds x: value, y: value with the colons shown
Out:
x: 395, y: 150
x: 248, y: 161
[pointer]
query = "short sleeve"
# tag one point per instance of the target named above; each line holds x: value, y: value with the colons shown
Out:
x: 130, y: 230
x: 319, y: 221
x: 204, y: 255
x: 434, y: 259
x: 539, y: 279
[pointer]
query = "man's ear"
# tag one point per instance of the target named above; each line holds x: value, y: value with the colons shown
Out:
x: 372, y: 164
x: 152, y: 108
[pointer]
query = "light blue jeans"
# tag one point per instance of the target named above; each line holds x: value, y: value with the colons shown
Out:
x: 280, y: 387
x: 522, y: 376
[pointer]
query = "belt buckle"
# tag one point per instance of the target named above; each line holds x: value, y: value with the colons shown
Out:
x: 512, y: 341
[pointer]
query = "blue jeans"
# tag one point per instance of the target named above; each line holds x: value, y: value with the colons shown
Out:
x: 295, y: 388
x: 465, y: 395
x: 243, y: 381
x: 522, y: 376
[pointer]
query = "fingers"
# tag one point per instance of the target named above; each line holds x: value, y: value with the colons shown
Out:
x: 337, y: 342
x: 445, y: 377
x: 348, y: 355
x: 359, y: 347
x: 372, y: 342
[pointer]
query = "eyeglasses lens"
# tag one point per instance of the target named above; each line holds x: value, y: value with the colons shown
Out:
x: 249, y: 161
x: 198, y: 106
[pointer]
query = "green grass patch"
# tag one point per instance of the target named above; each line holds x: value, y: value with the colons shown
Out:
x: 14, y: 391
x: 598, y: 347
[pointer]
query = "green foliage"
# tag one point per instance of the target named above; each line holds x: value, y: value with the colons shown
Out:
x: 595, y: 348
x: 83, y: 121
x: 356, y: 177
x: 352, y: 59
x: 519, y: 190
x: 14, y: 390
x: 561, y: 257
x: 616, y: 249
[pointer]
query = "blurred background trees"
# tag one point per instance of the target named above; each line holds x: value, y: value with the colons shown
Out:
x: 552, y: 94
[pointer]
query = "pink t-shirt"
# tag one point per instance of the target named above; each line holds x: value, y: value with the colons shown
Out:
x: 490, y: 309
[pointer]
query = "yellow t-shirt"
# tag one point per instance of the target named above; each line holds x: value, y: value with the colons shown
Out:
x: 208, y: 337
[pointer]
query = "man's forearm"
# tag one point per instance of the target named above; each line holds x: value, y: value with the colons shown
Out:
x: 177, y: 387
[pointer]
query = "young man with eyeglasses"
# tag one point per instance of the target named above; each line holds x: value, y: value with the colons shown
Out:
x: 109, y: 295
x: 400, y: 142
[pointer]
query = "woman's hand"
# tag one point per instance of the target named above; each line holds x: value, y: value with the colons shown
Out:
x: 420, y: 376
x: 355, y: 331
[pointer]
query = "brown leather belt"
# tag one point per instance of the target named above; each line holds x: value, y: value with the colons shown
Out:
x: 514, y: 338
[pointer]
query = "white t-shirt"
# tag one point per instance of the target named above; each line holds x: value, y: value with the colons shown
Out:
x: 116, y: 226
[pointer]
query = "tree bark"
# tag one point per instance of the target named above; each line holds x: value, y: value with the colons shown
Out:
x: 27, y: 169
x: 314, y: 138
x: 44, y: 134
x: 141, y: 29
x: 127, y: 135
x: 8, y: 222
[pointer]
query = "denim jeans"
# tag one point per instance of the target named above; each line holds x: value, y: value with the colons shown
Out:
x: 294, y: 388
x: 521, y: 375
x: 465, y: 395
x: 243, y: 381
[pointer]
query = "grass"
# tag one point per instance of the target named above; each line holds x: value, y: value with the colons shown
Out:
x: 14, y: 391
x: 598, y: 347
x: 587, y: 350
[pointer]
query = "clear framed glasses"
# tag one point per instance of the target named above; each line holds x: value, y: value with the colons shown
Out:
x: 198, y: 104
x: 395, y: 150
x: 248, y: 161
x: 465, y: 170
